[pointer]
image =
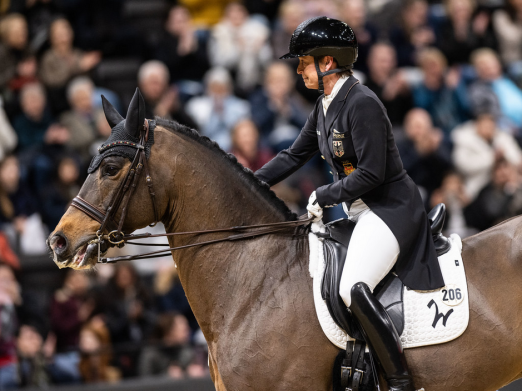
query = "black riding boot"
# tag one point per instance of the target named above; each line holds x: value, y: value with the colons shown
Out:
x: 382, y: 336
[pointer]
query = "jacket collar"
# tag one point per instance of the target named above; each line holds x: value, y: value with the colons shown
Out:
x: 338, y: 102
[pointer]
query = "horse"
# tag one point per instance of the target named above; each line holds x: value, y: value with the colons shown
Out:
x: 253, y: 297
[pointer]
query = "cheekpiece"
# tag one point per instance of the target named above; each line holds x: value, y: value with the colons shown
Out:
x: 121, y: 143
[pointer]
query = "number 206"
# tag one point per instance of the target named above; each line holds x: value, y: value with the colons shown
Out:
x: 451, y: 294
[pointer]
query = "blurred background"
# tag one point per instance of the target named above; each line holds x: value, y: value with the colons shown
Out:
x: 448, y: 72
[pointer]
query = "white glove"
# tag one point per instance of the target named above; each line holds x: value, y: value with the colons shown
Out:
x: 314, y: 210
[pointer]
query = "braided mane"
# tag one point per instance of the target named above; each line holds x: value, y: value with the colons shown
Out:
x: 244, y: 173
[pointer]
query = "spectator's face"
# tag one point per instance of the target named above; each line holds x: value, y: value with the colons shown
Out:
x: 246, y: 138
x: 292, y: 17
x: 278, y: 80
x: 486, y: 127
x: 178, y: 21
x: 417, y: 125
x: 29, y: 341
x: 354, y: 13
x: 236, y: 14
x: 61, y: 34
x: 81, y: 100
x: 89, y: 342
x: 124, y: 278
x: 153, y: 86
x: 33, y: 104
x: 415, y: 15
x: 7, y: 280
x: 16, y: 35
x: 460, y: 9
x: 179, y: 333
x: 68, y: 172
x: 503, y: 174
x: 488, y: 67
x: 382, y: 60
x: 10, y: 175
x: 218, y: 90
x: 432, y: 67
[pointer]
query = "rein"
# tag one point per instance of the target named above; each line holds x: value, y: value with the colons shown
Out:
x: 116, y: 237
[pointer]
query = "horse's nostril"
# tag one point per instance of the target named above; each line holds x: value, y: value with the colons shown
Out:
x: 59, y: 244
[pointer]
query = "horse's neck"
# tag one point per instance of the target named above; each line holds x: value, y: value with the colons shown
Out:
x: 220, y: 278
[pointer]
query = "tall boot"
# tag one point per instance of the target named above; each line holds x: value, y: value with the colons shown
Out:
x: 382, y: 336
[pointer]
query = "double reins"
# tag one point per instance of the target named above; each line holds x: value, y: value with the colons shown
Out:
x: 116, y: 237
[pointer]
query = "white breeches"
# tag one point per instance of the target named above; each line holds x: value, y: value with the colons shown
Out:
x: 372, y: 252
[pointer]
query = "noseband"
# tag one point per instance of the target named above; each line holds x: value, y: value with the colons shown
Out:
x: 120, y: 200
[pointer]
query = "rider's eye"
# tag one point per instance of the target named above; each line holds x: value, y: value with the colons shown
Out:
x: 110, y: 170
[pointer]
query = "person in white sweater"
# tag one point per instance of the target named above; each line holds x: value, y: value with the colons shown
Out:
x: 477, y: 145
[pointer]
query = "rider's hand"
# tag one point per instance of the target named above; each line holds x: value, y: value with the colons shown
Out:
x: 314, y: 210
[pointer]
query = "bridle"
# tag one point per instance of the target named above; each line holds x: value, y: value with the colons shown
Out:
x: 120, y: 200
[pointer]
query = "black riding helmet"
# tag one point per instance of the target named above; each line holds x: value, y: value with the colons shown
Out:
x: 323, y: 36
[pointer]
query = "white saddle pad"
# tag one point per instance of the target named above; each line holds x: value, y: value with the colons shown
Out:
x: 430, y: 317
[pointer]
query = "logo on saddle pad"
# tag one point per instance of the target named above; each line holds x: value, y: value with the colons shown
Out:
x: 338, y: 148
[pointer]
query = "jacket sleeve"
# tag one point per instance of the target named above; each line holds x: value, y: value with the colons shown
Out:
x: 290, y: 160
x: 368, y: 123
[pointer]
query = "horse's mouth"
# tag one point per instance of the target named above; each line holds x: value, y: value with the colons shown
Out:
x: 85, y: 257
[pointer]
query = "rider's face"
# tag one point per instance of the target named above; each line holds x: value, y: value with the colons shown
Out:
x: 307, y: 70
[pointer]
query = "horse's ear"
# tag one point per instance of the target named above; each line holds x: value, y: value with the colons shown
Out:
x: 112, y: 115
x: 135, y: 115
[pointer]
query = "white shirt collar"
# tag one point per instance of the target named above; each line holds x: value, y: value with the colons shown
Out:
x: 327, y: 99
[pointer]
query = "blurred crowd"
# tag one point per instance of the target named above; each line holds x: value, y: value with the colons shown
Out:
x: 448, y: 72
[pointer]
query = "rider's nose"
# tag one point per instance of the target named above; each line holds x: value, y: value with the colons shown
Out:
x: 59, y: 243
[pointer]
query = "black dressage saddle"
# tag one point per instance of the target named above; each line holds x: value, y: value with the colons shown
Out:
x: 389, y: 291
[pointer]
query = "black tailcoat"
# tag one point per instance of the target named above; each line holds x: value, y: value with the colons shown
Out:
x: 356, y: 140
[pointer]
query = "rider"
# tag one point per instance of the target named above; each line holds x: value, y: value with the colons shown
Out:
x: 350, y: 128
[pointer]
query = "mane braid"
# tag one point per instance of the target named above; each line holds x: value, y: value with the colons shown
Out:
x: 245, y: 173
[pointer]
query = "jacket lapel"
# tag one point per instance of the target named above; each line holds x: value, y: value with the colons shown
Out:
x: 338, y: 103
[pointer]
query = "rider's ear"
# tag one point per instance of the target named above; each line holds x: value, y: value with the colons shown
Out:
x: 135, y: 115
x: 112, y: 115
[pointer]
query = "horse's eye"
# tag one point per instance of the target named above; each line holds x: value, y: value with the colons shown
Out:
x: 110, y: 170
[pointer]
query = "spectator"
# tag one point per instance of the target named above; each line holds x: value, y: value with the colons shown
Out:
x: 499, y: 200
x: 161, y: 100
x: 353, y: 12
x: 291, y: 14
x: 128, y: 311
x: 280, y: 114
x: 245, y: 146
x: 95, y: 350
x: 16, y: 200
x: 388, y: 83
x: 414, y: 35
x: 240, y: 44
x: 183, y: 49
x: 441, y: 93
x: 491, y: 82
x: 174, y: 357
x: 62, y: 61
x: 461, y: 32
x: 13, y: 48
x: 103, y: 131
x: 32, y: 363
x: 507, y: 24
x: 476, y: 146
x: 205, y: 13
x: 218, y: 110
x: 32, y: 124
x: 453, y: 195
x: 424, y: 155
x: 81, y: 119
x: 9, y: 298
x: 8, y: 138
x: 26, y: 73
x: 70, y: 308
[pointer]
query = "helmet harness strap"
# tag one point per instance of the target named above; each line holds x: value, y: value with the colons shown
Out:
x: 321, y: 74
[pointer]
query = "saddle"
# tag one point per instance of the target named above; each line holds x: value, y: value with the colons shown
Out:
x: 390, y: 290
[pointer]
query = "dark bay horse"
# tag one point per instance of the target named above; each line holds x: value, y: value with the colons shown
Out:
x: 253, y: 298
